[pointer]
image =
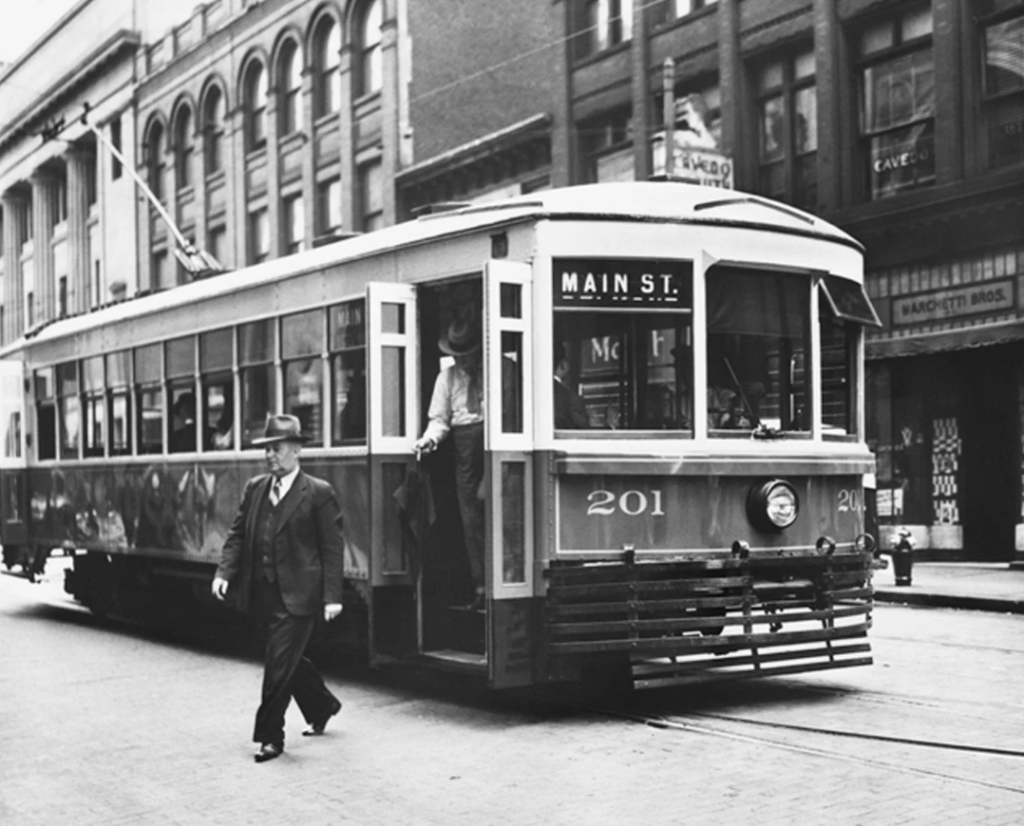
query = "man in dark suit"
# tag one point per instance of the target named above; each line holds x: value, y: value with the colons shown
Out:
x: 285, y: 553
x: 570, y: 411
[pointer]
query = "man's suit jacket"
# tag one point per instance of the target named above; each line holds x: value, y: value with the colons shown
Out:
x: 308, y: 545
x: 570, y: 411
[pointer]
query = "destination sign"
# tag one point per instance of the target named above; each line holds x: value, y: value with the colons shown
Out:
x: 977, y: 299
x: 601, y: 282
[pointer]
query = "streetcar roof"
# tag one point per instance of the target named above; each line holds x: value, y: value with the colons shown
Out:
x: 640, y: 201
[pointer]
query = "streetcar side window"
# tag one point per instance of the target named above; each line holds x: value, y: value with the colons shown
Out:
x: 180, y: 355
x: 119, y: 400
x: 68, y: 407
x: 216, y: 356
x: 302, y: 346
x: 94, y: 407
x: 758, y: 350
x: 149, y: 398
x: 257, y: 348
x: 838, y: 372
x: 46, y: 414
x: 347, y: 330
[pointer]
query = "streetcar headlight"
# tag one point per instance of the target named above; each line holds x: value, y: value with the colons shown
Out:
x: 772, y: 506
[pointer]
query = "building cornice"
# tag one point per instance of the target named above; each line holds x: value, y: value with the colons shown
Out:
x: 122, y: 42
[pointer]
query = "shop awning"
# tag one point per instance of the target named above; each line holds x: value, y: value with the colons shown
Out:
x: 849, y: 301
x: 964, y: 338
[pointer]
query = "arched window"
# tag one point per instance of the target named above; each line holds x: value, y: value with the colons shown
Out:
x: 184, y: 148
x: 213, y: 131
x: 290, y: 85
x: 255, y: 106
x: 155, y: 160
x: 328, y: 60
x: 371, y: 68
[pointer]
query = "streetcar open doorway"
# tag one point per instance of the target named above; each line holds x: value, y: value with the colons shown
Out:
x: 452, y: 571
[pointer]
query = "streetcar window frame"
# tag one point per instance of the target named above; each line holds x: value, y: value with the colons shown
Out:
x: 257, y: 377
x: 149, y: 398
x: 119, y: 403
x: 217, y: 384
x: 347, y: 360
x: 740, y: 395
x: 69, y: 412
x: 303, y: 347
x: 93, y: 407
x: 44, y: 381
x: 180, y: 381
x: 624, y: 332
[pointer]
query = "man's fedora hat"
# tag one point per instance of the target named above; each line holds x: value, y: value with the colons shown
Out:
x: 461, y: 338
x: 282, y: 428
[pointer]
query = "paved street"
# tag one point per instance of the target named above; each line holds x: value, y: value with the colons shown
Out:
x: 104, y: 723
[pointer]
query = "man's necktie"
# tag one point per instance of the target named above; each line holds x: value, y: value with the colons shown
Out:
x: 275, y: 492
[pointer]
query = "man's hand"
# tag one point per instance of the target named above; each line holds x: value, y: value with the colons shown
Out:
x: 424, y: 445
x: 332, y: 610
x: 219, y: 587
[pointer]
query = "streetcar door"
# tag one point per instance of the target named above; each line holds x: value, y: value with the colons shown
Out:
x: 508, y: 436
x: 13, y: 482
x: 393, y: 409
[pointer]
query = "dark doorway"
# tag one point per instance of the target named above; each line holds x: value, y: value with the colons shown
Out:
x: 990, y: 455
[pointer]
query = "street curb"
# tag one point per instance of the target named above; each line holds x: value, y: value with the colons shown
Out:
x: 1004, y: 606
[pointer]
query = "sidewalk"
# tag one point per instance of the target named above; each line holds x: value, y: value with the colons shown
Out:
x: 981, y: 586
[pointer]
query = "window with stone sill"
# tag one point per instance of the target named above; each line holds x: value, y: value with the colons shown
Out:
x: 787, y: 117
x: 897, y: 102
x: 601, y: 25
x: 1001, y: 25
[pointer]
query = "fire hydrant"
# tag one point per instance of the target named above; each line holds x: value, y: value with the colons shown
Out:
x: 902, y: 556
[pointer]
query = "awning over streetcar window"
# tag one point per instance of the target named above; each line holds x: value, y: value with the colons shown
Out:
x: 849, y: 301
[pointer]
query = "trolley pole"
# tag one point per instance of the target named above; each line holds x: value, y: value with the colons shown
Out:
x: 668, y: 85
x: 193, y: 259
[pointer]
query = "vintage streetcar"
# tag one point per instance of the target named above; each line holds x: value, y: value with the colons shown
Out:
x: 702, y: 513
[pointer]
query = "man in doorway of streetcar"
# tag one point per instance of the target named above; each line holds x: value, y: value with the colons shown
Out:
x: 284, y: 554
x: 456, y: 407
x: 183, y: 424
x: 570, y: 411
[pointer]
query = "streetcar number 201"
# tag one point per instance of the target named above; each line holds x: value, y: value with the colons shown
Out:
x: 631, y: 503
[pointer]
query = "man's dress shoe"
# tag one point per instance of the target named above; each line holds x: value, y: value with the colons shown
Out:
x: 317, y: 728
x: 268, y: 751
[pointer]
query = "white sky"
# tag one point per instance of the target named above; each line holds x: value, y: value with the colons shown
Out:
x: 24, y: 21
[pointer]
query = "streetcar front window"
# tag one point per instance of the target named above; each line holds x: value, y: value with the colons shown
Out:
x: 623, y: 345
x: 758, y: 351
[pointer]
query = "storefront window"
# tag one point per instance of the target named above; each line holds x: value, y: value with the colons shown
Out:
x: 758, y: 351
x: 898, y: 103
x: 623, y: 340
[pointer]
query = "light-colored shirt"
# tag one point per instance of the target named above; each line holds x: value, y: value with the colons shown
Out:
x: 285, y: 486
x: 449, y: 405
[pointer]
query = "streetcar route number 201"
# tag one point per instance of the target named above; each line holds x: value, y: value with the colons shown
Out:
x: 631, y: 503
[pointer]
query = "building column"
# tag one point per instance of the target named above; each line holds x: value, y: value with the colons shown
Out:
x: 831, y: 144
x: 731, y: 86
x: 641, y: 94
x: 15, y: 218
x: 389, y: 118
x: 350, y: 220
x: 44, y: 194
x: 949, y: 142
x: 562, y: 161
x: 79, y: 160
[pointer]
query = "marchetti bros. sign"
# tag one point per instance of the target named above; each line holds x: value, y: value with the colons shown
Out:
x: 976, y: 299
x: 603, y: 282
